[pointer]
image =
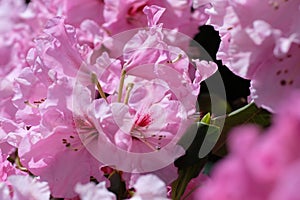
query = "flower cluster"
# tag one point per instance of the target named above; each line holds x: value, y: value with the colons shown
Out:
x: 98, y: 99
x: 260, y: 42
x: 88, y: 86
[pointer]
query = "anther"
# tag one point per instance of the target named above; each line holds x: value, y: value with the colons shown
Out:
x: 31, y: 105
x: 176, y: 59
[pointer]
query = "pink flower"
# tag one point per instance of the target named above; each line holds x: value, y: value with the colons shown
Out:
x: 11, y: 135
x: 114, y: 12
x: 92, y: 34
x: 77, y: 11
x: 149, y: 56
x: 6, y: 168
x: 157, y: 191
x: 255, y: 36
x: 58, y: 47
x: 55, y: 56
x: 281, y: 77
x: 24, y: 187
x: 264, y: 166
x: 91, y: 191
x: 33, y: 189
x: 53, y: 150
x: 155, y: 76
x: 288, y: 185
x: 142, y: 127
x: 137, y: 128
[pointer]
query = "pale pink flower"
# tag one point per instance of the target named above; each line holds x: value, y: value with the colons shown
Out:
x: 21, y: 187
x: 157, y: 76
x: 256, y: 35
x: 141, y: 125
x: 157, y: 191
x: 9, y: 14
x: 147, y: 55
x: 6, y: 168
x: 4, y: 191
x: 58, y: 47
x: 7, y: 109
x: 138, y: 128
x: 92, y: 34
x: 281, y: 78
x: 53, y: 150
x: 91, y: 191
x: 11, y: 134
x: 123, y: 15
x: 34, y: 189
x: 108, y: 71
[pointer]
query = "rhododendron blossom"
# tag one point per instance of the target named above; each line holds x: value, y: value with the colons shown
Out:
x: 256, y: 36
x: 99, y: 99
x: 130, y: 117
x: 24, y: 187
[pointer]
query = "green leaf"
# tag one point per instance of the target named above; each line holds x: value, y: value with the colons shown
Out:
x: 249, y: 114
x: 206, y: 119
x: 190, y: 165
x: 117, y: 185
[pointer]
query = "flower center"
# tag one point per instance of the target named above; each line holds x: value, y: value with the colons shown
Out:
x: 143, y: 120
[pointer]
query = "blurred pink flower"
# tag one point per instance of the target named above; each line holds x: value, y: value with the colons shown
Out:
x: 260, y: 166
x: 78, y: 11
